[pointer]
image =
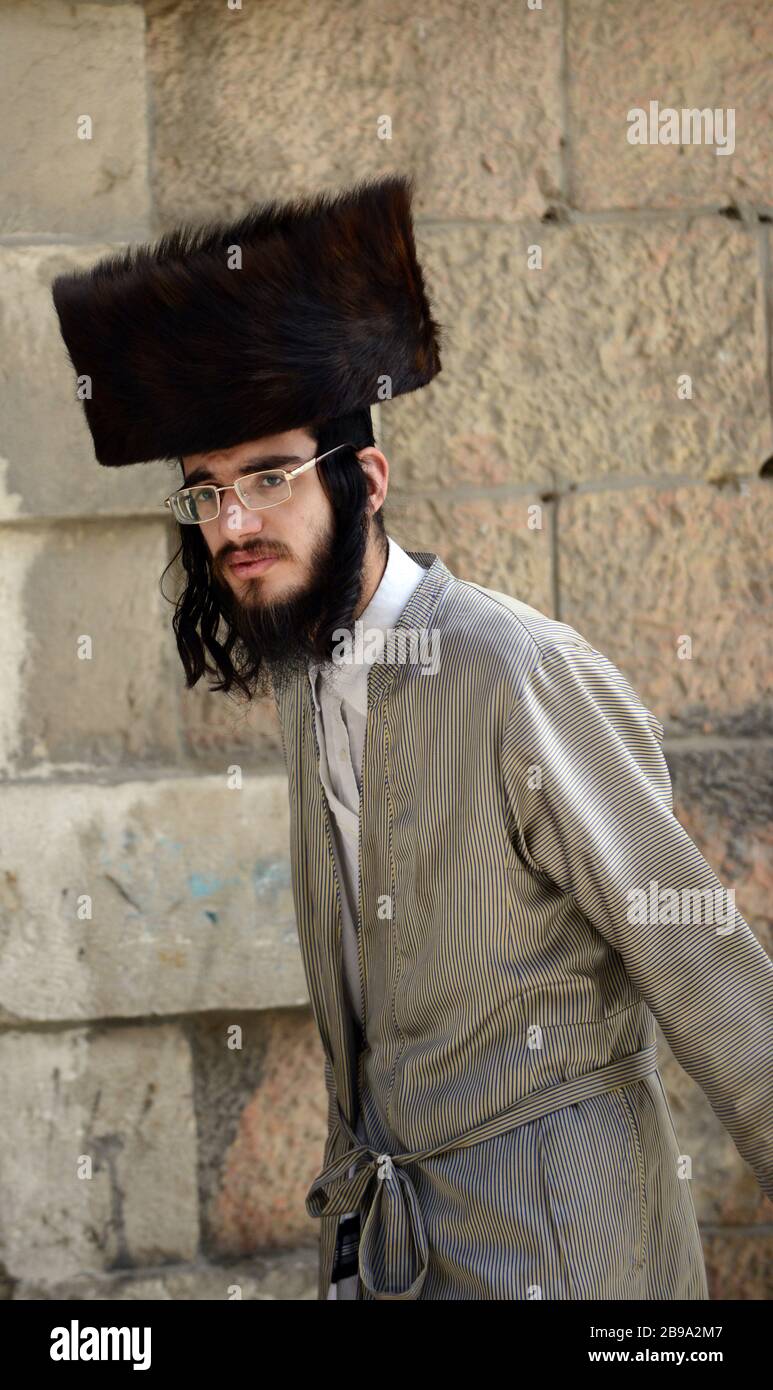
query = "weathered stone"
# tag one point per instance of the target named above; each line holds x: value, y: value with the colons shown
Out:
x: 218, y: 728
x: 570, y: 374
x: 289, y: 1275
x: 98, y: 1151
x: 640, y: 570
x: 486, y: 540
x: 690, y: 55
x: 60, y: 64
x: 738, y: 1264
x: 481, y: 131
x: 262, y: 1117
x: 90, y: 676
x: 190, y: 898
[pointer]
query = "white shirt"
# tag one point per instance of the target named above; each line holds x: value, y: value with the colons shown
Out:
x: 341, y: 704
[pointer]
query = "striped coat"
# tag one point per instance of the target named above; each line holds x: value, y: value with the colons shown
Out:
x: 519, y: 866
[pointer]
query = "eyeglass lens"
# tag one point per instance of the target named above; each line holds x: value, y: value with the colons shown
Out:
x: 259, y: 489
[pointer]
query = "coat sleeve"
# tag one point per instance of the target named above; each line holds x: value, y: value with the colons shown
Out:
x: 332, y: 1109
x: 591, y: 809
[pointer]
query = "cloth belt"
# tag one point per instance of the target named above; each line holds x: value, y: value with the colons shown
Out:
x: 393, y: 1235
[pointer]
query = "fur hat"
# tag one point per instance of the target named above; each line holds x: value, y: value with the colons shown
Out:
x: 296, y: 313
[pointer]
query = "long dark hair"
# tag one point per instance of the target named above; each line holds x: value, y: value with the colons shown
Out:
x: 201, y: 621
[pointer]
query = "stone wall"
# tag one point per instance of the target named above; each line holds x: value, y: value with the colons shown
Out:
x: 161, y: 1077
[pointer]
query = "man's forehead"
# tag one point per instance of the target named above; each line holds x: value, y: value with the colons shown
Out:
x: 292, y: 446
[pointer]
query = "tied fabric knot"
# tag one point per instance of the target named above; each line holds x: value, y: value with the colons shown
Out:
x: 392, y: 1235
x: 393, y: 1250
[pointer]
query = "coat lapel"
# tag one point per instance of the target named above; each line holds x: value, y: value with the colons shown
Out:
x: 316, y: 890
x: 315, y: 882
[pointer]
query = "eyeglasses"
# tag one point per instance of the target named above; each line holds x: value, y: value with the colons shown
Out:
x: 268, y: 488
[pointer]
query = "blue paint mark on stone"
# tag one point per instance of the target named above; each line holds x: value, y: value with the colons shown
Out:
x: 203, y: 885
x: 173, y: 846
x: 270, y: 878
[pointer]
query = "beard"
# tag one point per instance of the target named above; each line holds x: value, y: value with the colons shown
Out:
x: 280, y: 637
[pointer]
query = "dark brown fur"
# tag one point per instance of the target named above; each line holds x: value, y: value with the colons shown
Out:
x: 186, y: 355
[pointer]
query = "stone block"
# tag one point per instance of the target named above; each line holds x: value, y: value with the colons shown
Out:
x: 89, y: 648
x: 643, y: 569
x: 187, y: 883
x: 73, y: 111
x: 738, y: 1265
x: 262, y: 1113
x: 571, y: 373
x: 98, y: 1151
x: 286, y: 1275
x: 469, y: 98
x: 690, y: 55
x: 485, y: 539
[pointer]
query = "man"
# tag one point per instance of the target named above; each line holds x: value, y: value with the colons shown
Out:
x: 494, y: 899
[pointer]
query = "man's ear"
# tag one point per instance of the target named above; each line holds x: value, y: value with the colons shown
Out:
x: 378, y: 473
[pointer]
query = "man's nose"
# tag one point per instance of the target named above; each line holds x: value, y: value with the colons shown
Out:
x: 236, y: 519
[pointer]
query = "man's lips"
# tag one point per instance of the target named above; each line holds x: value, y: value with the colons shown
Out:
x: 251, y: 560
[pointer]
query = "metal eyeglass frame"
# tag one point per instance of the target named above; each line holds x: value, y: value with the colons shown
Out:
x: 287, y: 473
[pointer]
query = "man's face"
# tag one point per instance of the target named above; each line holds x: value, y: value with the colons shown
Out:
x: 274, y: 606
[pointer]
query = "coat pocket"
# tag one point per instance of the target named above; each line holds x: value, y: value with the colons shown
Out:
x: 595, y: 1183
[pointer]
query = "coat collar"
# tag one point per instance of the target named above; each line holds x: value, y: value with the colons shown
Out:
x: 416, y: 615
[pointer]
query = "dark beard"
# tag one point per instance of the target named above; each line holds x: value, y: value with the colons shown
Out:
x: 281, y: 638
